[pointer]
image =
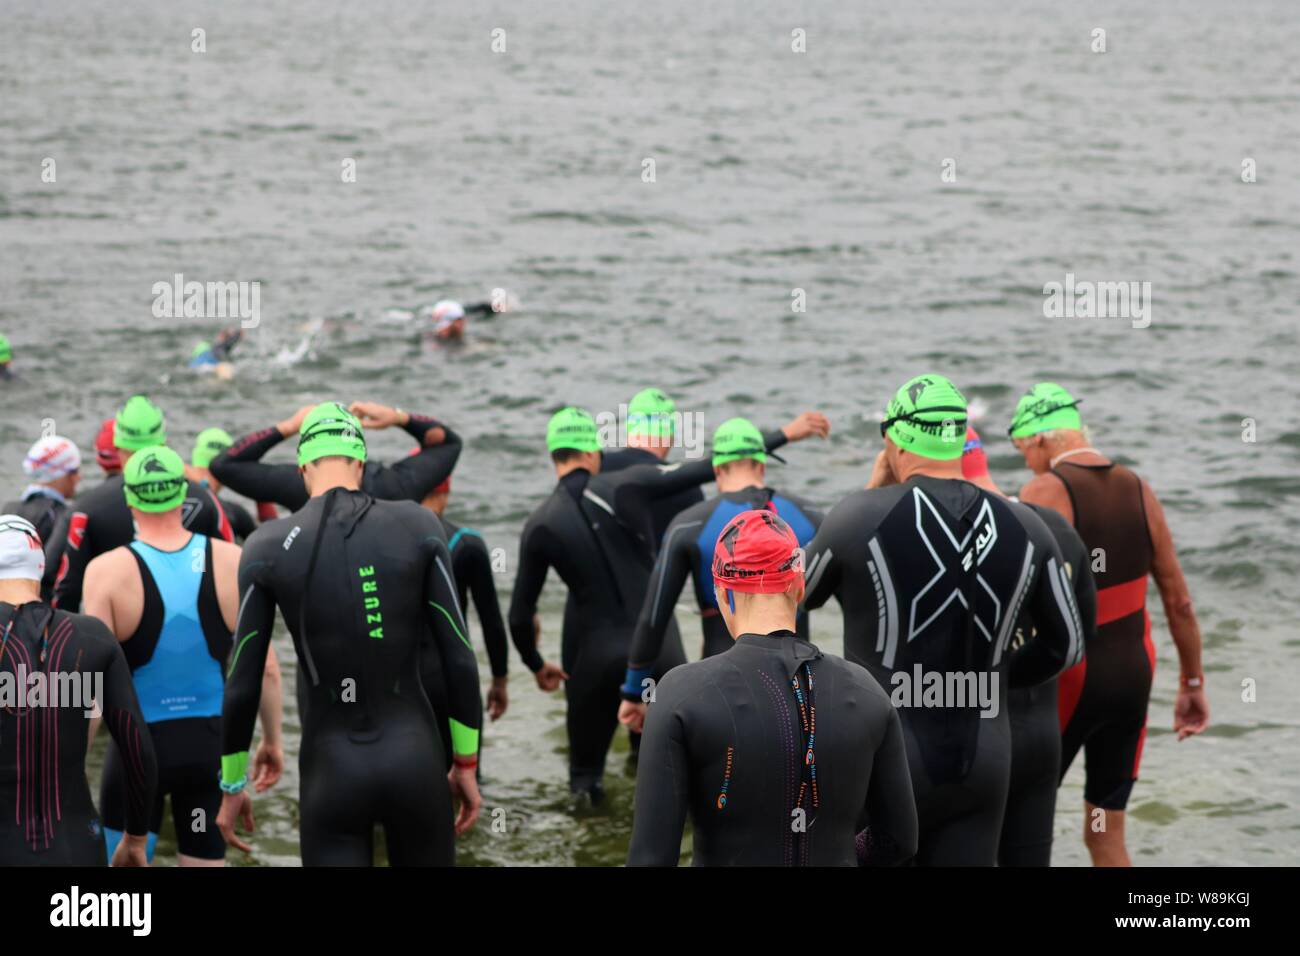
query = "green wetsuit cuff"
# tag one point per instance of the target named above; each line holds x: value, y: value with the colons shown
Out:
x: 464, y: 740
x: 234, y: 769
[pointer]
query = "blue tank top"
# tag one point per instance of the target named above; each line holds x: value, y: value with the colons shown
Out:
x: 181, y: 678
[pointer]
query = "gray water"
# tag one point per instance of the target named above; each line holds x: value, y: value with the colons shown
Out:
x: 775, y: 171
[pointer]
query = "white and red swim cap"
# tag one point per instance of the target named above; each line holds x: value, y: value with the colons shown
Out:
x: 21, y: 555
x: 51, y: 458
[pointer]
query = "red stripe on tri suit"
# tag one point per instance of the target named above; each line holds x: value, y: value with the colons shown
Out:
x: 1121, y: 600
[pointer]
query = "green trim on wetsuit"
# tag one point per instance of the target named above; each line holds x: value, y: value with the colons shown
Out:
x: 234, y: 769
x: 451, y: 620
x: 464, y: 740
x: 234, y: 659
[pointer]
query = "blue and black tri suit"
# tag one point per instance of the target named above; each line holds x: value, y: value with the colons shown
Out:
x: 176, y: 657
x: 687, y: 551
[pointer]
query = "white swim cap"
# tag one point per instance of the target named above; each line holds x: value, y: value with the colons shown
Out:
x: 446, y: 312
x: 51, y: 458
x: 21, y: 554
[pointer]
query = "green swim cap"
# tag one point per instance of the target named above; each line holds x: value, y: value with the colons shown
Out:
x: 200, y: 349
x: 572, y: 428
x: 330, y: 429
x: 737, y: 438
x: 154, y: 479
x: 1044, y: 407
x: 210, y: 443
x: 927, y: 417
x: 139, y: 425
x: 6, y: 351
x: 650, y: 413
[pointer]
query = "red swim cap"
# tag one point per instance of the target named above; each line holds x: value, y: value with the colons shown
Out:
x: 106, y: 453
x: 757, y: 553
x: 974, y: 463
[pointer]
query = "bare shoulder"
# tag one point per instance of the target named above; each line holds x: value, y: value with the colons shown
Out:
x: 111, y: 566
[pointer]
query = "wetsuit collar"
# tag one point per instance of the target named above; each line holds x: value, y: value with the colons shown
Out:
x: 794, y: 652
x: 42, y: 491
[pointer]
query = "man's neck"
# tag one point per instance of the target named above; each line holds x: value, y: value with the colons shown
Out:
x: 765, y: 621
x: 17, y: 591
x: 913, y: 466
x: 162, y: 531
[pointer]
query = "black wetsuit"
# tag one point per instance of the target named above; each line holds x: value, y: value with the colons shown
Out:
x: 663, y: 510
x: 687, y: 551
x: 242, y: 523
x: 360, y: 583
x: 1035, y: 731
x: 46, y: 814
x: 726, y: 741
x: 471, y: 566
x: 595, y: 531
x: 176, y: 655
x: 101, y: 521
x: 41, y: 508
x: 932, y: 575
x: 240, y: 468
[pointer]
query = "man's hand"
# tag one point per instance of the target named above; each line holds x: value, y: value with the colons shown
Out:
x: 807, y: 425
x: 464, y: 790
x: 131, y: 851
x: 549, y: 676
x: 236, y: 807
x: 498, y: 698
x: 632, y: 715
x: 1191, y: 712
x: 376, y: 416
x: 268, y: 765
x: 881, y: 473
x: 291, y: 425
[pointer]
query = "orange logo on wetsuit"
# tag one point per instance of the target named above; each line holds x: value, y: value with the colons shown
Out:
x: 726, y: 781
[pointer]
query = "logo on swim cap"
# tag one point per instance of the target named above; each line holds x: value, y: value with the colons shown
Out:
x: 927, y: 416
x: 1045, y: 407
x: 208, y: 445
x: 651, y: 413
x: 21, y: 555
x: 737, y: 438
x: 330, y: 430
x: 573, y: 428
x: 154, y: 480
x: 139, y: 425
x: 757, y: 553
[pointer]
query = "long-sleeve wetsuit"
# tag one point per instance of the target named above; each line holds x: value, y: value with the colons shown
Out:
x: 241, y: 469
x: 687, y: 551
x: 360, y: 583
x: 779, y: 754
x: 664, y: 509
x: 46, y: 814
x: 932, y: 576
x: 101, y: 521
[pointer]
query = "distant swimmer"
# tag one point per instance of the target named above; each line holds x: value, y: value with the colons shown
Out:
x: 101, y: 521
x: 471, y: 566
x: 241, y: 469
x: 652, y: 420
x: 932, y: 574
x: 739, y: 467
x: 210, y: 443
x: 779, y: 754
x: 47, y: 817
x: 215, y: 357
x: 170, y: 597
x: 1030, y: 816
x: 1103, y: 701
x: 360, y: 583
x: 53, y: 469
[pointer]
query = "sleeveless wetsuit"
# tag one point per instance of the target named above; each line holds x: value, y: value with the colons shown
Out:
x: 471, y: 566
x: 779, y: 754
x: 360, y: 583
x: 1103, y: 701
x: 240, y: 468
x: 595, y: 530
x: 687, y: 551
x: 176, y: 655
x: 101, y: 521
x: 46, y: 814
x: 932, y: 575
x: 1035, y: 734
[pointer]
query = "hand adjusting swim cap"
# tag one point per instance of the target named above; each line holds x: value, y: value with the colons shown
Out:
x: 330, y: 429
x: 757, y: 553
x: 154, y: 480
x: 1043, y: 408
x: 139, y: 425
x: 572, y: 428
x: 210, y: 443
x: 927, y: 417
x: 22, y: 558
x: 651, y: 413
x: 737, y: 438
